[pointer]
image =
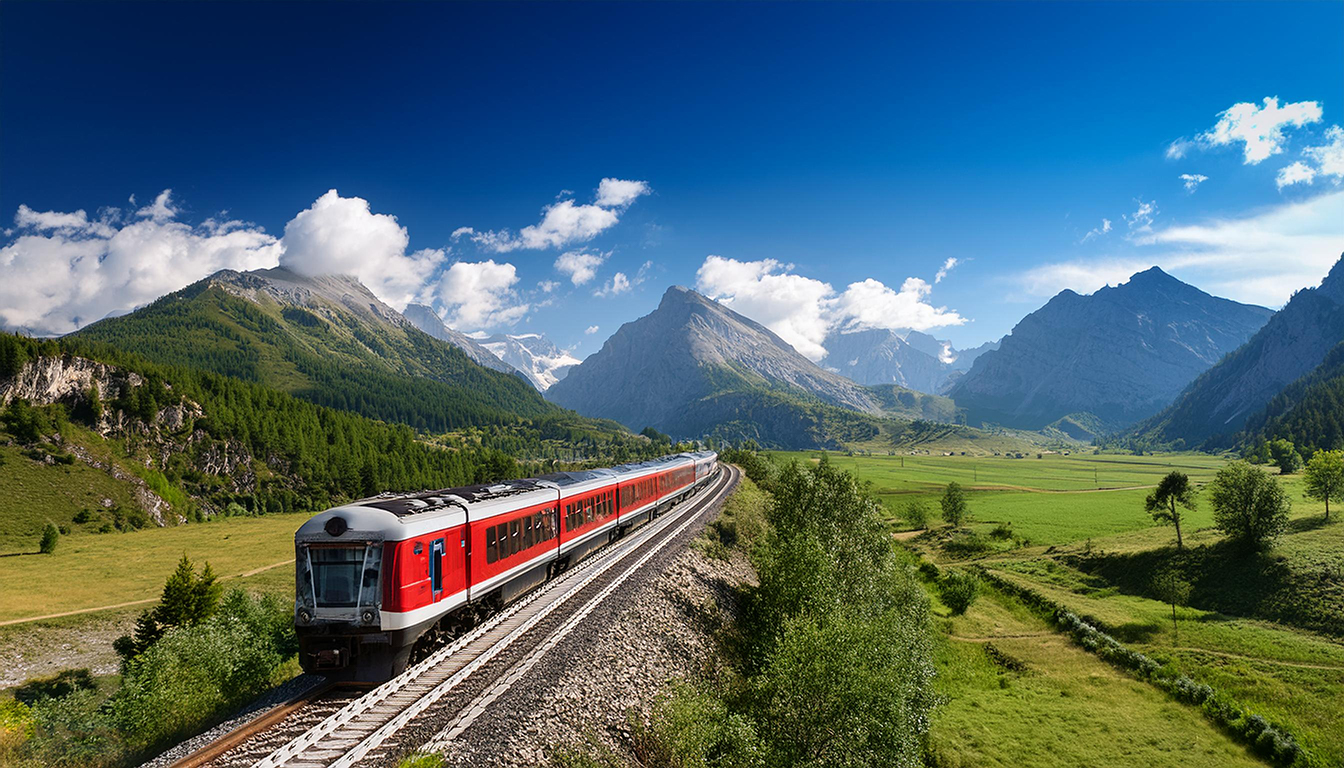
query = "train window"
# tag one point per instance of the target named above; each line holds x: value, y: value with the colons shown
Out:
x: 491, y: 545
x: 527, y: 533
x: 436, y: 566
x: 515, y: 538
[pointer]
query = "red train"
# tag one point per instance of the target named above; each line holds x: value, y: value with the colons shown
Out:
x: 380, y: 579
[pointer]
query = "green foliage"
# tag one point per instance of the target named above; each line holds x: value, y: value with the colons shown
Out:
x: 953, y: 504
x: 419, y: 760
x: 1325, y: 478
x: 757, y: 466
x: 958, y: 590
x: 187, y: 599
x: 694, y: 728
x: 61, y: 684
x: 1283, y: 454
x: 14, y: 354
x: 26, y: 423
x: 1310, y: 411
x: 1173, y: 492
x: 916, y: 514
x: 51, y: 536
x: 1248, y: 505
x: 196, y: 673
x: 655, y: 435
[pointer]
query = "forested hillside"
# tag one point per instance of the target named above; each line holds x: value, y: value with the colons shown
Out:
x: 1309, y: 412
x: 326, y: 340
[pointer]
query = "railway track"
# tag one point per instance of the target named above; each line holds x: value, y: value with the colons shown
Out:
x: 456, y: 684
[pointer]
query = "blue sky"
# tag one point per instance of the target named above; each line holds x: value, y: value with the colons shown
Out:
x: 811, y: 147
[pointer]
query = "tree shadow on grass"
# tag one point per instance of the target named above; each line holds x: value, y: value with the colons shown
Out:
x: 1304, y: 524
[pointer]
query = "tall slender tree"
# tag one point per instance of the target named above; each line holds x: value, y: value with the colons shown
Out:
x: 1165, y: 503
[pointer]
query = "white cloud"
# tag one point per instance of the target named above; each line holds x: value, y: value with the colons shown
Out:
x: 580, y: 266
x: 340, y: 235
x: 618, y: 284
x: 1260, y: 128
x: 63, y: 271
x: 565, y: 222
x: 803, y: 310
x: 1193, y: 180
x: 1329, y: 158
x: 1094, y: 232
x: 548, y: 286
x: 1261, y: 258
x: 618, y: 193
x: 1142, y: 218
x: 479, y: 295
x: 590, y: 330
x: 461, y: 232
x: 1297, y: 173
x: 161, y: 209
x: 947, y: 267
x: 1179, y: 148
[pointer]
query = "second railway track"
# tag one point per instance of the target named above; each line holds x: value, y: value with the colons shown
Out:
x: 434, y: 701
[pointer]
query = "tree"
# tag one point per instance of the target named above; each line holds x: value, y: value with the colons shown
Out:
x: 1283, y: 454
x: 1325, y: 478
x: 916, y: 513
x: 958, y: 590
x: 1173, y: 492
x: 954, y: 505
x: 1249, y: 505
x: 187, y: 599
x: 51, y: 536
x: 1170, y: 588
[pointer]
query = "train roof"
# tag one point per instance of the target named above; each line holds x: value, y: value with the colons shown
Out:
x: 424, y: 501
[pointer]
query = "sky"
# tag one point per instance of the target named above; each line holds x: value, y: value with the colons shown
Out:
x: 553, y: 168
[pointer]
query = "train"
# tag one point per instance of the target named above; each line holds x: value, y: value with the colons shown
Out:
x: 381, y: 581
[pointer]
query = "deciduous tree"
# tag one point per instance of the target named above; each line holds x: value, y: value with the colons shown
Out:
x: 954, y: 505
x: 1325, y: 478
x: 1249, y: 505
x: 1173, y: 493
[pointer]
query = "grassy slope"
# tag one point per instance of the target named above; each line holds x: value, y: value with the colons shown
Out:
x: 35, y: 494
x: 1269, y: 667
x: 1066, y: 708
x: 107, y: 569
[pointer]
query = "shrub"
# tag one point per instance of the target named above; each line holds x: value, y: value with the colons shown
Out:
x: 953, y: 504
x: 966, y: 544
x: 1002, y: 531
x: 51, y: 536
x: 916, y: 514
x: 56, y: 686
x: 958, y: 590
x: 186, y: 599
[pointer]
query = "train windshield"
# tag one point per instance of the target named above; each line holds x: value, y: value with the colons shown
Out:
x: 336, y: 576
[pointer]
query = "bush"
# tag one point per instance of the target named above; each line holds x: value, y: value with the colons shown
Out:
x: 958, y: 590
x: 966, y: 544
x: 51, y: 536
x: 954, y: 505
x: 55, y: 687
x: 186, y: 599
x: 916, y: 514
x: 1002, y: 531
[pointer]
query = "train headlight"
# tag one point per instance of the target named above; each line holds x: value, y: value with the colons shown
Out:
x: 336, y: 526
x: 368, y: 616
x: 305, y: 617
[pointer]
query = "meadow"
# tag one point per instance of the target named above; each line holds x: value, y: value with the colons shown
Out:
x: 1256, y: 628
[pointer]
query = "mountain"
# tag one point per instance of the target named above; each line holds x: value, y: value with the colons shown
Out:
x: 694, y: 367
x: 914, y: 360
x: 1294, y: 344
x: 534, y: 355
x: 1120, y: 354
x: 427, y: 320
x: 325, y: 339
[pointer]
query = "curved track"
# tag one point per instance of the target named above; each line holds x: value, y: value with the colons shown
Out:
x: 456, y: 684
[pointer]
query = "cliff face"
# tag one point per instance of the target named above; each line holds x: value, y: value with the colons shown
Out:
x: 1120, y: 354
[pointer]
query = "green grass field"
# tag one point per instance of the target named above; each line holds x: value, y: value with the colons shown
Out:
x: 1085, y: 508
x: 33, y: 494
x: 108, y: 569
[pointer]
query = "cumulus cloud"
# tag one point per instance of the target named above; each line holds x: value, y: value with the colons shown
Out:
x: 1259, y: 129
x: 1193, y: 180
x: 1142, y: 218
x: 548, y: 286
x: 478, y: 295
x: 565, y: 222
x: 161, y: 209
x: 618, y: 193
x: 63, y: 271
x: 1095, y: 231
x: 1297, y: 173
x: 1329, y: 157
x: 1260, y: 258
x: 803, y: 310
x: 947, y: 267
x: 340, y: 235
x: 618, y: 284
x: 580, y: 266
x: 590, y: 330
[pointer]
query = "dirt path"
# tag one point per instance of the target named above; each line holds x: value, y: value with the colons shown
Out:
x: 252, y: 572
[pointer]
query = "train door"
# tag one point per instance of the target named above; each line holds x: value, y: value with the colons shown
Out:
x: 436, y: 568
